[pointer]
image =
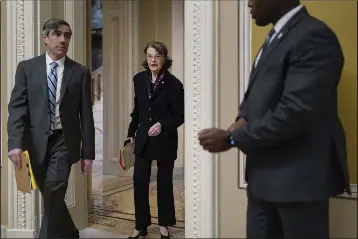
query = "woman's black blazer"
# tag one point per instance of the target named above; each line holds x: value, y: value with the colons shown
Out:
x: 165, y: 106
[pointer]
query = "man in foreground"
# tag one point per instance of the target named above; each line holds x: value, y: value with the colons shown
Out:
x: 289, y: 127
x: 50, y: 116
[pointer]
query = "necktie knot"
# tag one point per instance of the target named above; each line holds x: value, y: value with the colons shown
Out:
x: 268, y: 39
x: 53, y: 64
x: 265, y: 45
x: 271, y: 33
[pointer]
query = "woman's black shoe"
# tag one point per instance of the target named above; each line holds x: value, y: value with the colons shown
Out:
x: 168, y: 236
x: 142, y: 233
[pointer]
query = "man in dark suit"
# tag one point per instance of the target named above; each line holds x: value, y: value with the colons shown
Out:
x: 289, y: 127
x: 50, y: 116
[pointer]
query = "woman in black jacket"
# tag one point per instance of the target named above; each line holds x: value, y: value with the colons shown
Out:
x: 158, y: 112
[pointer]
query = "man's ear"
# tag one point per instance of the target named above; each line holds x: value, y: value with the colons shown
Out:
x: 44, y: 37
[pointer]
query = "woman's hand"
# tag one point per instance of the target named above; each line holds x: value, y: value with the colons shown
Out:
x: 131, y: 139
x: 155, y: 129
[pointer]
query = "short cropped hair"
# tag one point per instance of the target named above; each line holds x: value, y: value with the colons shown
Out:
x: 53, y: 24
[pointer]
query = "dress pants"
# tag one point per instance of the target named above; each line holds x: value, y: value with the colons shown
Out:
x: 165, y: 196
x: 52, y: 179
x: 291, y: 220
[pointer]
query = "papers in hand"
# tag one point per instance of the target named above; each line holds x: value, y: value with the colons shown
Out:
x: 127, y: 157
x: 24, y: 176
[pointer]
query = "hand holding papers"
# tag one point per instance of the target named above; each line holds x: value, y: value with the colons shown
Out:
x: 127, y: 156
x: 24, y: 176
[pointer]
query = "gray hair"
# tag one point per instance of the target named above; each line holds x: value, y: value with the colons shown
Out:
x: 53, y: 24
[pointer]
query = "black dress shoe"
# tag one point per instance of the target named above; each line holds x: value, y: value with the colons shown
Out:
x: 142, y: 233
x: 167, y: 236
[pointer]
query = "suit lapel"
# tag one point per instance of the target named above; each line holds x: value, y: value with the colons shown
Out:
x: 160, y: 86
x: 42, y: 74
x: 146, y: 85
x: 67, y: 75
x: 263, y: 58
x: 274, y: 43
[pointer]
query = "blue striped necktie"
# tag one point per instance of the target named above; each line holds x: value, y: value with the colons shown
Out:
x: 52, y: 85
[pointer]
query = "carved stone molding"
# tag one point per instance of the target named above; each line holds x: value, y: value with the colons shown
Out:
x: 197, y: 115
x: 20, y: 36
x: 19, y: 204
x: 22, y: 214
x: 199, y: 67
x: 20, y: 43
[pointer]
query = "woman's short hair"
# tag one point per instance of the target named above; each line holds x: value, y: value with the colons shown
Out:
x: 162, y: 49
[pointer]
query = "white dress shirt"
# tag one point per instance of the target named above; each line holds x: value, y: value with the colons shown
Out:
x: 279, y: 25
x: 59, y: 71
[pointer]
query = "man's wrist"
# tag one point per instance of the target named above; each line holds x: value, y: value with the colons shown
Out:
x: 241, y: 117
x: 231, y: 139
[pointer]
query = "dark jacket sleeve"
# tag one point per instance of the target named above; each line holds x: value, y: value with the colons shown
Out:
x: 18, y: 110
x: 312, y: 75
x: 87, y: 122
x: 176, y: 119
x: 134, y: 115
x: 242, y: 111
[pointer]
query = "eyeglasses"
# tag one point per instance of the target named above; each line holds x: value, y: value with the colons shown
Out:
x: 156, y: 57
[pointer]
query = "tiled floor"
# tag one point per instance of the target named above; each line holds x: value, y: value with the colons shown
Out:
x: 96, y: 233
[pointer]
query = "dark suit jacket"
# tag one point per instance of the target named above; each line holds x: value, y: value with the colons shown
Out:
x: 29, y: 120
x: 294, y: 140
x: 166, y: 106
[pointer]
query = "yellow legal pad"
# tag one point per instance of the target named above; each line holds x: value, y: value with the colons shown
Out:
x: 24, y: 176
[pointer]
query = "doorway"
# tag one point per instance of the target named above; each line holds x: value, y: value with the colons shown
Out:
x: 116, y: 49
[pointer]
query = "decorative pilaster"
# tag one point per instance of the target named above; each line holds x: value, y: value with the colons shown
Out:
x: 200, y: 68
x: 20, y: 44
x: 22, y: 208
x: 177, y: 50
